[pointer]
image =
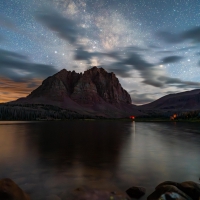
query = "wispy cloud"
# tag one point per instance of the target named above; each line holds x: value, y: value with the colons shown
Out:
x: 11, y: 90
x: 171, y: 59
x: 192, y: 34
x: 62, y: 26
x: 19, y: 68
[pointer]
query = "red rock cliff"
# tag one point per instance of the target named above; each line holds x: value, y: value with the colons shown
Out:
x: 93, y: 86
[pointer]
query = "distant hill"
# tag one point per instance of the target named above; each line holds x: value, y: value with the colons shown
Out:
x: 94, y: 93
x: 189, y: 100
x: 183, y: 105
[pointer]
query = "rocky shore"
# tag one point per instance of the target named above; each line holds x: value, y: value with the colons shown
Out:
x: 167, y: 190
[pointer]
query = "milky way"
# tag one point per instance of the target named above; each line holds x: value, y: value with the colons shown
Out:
x: 152, y: 46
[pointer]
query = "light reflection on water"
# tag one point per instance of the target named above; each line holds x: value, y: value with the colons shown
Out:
x: 55, y: 157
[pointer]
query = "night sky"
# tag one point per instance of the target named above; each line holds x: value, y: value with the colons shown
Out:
x: 153, y: 46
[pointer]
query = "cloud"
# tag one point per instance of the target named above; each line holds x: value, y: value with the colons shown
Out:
x: 178, y: 82
x: 171, y: 59
x: 164, y: 81
x: 148, y: 71
x: 18, y: 68
x: 83, y: 54
x: 62, y: 26
x: 124, y: 61
x: 139, y: 99
x: 121, y: 72
x: 192, y: 34
x: 137, y: 49
x: 152, y: 46
x: 135, y: 60
x: 11, y: 90
x: 169, y: 37
x: 119, y: 69
x: 151, y: 73
x: 165, y: 51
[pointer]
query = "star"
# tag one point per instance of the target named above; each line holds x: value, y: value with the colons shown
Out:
x: 123, y: 37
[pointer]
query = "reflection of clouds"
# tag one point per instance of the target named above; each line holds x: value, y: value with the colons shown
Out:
x: 12, y: 146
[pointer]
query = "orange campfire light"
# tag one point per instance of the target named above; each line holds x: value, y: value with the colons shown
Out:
x: 132, y: 117
x: 175, y: 115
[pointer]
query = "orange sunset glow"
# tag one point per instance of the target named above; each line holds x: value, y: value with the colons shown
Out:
x: 11, y: 90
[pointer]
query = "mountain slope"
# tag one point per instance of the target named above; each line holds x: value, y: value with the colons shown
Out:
x: 189, y: 100
x: 95, y: 92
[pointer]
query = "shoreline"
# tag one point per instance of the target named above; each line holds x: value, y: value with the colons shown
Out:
x: 106, y: 119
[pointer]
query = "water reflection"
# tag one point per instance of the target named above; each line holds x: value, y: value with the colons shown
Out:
x: 55, y: 157
x: 89, y: 143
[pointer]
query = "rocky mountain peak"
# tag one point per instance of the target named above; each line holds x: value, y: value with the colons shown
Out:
x: 94, y: 86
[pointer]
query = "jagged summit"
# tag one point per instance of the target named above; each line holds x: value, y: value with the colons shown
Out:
x: 93, y: 86
x: 95, y: 89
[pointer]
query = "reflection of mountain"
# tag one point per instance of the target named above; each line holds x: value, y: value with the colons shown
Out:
x: 60, y: 156
x: 95, y: 92
x: 90, y: 143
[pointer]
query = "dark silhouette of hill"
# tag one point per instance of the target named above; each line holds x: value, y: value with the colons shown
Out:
x: 189, y: 100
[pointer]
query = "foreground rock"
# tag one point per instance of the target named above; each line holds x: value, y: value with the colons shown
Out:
x: 9, y: 190
x: 169, y: 190
x: 136, y: 192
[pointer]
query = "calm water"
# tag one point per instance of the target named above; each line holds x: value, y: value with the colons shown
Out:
x: 56, y: 157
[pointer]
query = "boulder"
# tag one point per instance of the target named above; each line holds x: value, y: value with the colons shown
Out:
x: 168, y: 192
x: 136, y: 192
x: 190, y: 188
x: 168, y: 183
x: 9, y: 190
x: 187, y: 190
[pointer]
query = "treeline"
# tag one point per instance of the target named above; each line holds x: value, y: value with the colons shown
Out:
x: 37, y: 112
x: 171, y: 114
x: 188, y: 115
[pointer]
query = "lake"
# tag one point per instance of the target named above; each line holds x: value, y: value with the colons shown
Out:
x: 56, y: 157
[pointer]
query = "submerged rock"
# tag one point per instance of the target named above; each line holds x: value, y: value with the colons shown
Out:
x: 84, y: 193
x: 136, y: 192
x: 9, y: 190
